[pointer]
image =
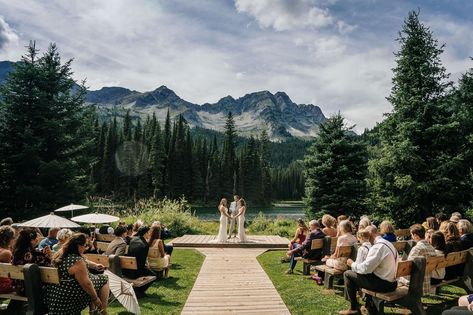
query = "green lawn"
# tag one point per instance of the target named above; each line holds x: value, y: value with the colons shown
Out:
x: 304, y: 296
x: 168, y: 296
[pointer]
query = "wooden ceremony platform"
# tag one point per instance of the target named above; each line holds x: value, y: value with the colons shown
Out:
x: 255, y: 241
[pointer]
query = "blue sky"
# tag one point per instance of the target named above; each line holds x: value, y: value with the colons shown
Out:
x: 332, y: 53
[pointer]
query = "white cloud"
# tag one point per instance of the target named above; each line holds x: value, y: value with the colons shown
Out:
x: 207, y: 50
x: 7, y: 34
x: 285, y: 14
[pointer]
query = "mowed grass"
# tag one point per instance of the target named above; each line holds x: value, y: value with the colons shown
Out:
x: 303, y: 296
x: 168, y: 296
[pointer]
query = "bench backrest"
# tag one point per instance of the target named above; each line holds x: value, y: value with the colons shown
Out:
x: 153, y: 251
x: 98, y: 259
x: 49, y: 275
x: 402, y: 233
x: 316, y: 244
x: 128, y: 263
x: 11, y: 271
x: 102, y: 246
x: 404, y: 268
x: 333, y: 243
x: 105, y: 237
x: 435, y: 262
x: 345, y: 251
x: 456, y: 258
x: 400, y: 246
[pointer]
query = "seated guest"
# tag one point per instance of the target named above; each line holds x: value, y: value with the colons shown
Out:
x: 77, y: 288
x: 50, y: 240
x: 465, y: 229
x: 62, y: 236
x: 340, y: 218
x: 139, y: 248
x: 91, y: 242
x: 305, y: 250
x: 457, y: 214
x: 6, y: 221
x: 430, y: 224
x: 7, y: 237
x: 364, y: 222
x: 453, y: 244
x: 455, y: 219
x: 136, y: 226
x: 441, y: 217
x: 161, y: 262
x: 129, y: 233
x: 438, y: 242
x: 105, y: 229
x: 118, y: 245
x: 422, y: 248
x: 428, y: 235
x: 346, y: 238
x: 387, y: 231
x: 167, y: 248
x: 24, y: 252
x: 330, y: 224
x: 376, y: 273
x: 301, y: 234
x: 364, y: 239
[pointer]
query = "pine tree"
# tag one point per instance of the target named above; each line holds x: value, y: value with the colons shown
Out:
x: 228, y: 157
x: 156, y: 161
x: 409, y: 174
x: 127, y: 127
x: 265, y: 170
x: 44, y: 154
x: 335, y: 171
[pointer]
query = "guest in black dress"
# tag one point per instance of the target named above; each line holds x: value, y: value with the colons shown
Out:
x: 139, y: 248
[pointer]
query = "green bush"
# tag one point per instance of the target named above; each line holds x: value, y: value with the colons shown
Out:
x: 175, y: 214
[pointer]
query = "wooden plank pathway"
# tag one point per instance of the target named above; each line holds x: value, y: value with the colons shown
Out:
x: 255, y: 241
x: 232, y: 281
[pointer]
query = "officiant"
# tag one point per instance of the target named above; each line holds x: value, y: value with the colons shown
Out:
x: 232, y: 212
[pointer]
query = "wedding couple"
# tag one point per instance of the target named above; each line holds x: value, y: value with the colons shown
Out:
x: 236, y: 212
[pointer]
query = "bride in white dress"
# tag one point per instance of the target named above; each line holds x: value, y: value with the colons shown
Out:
x: 241, y: 222
x: 222, y: 231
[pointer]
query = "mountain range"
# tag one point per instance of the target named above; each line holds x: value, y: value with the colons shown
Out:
x: 253, y: 112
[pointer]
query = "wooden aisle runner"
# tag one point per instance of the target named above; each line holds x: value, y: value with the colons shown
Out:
x: 232, y: 281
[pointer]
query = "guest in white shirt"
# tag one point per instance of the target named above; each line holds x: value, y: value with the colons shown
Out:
x: 377, y: 272
x: 364, y: 239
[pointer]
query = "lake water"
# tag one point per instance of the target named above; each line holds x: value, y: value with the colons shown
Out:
x: 289, y: 210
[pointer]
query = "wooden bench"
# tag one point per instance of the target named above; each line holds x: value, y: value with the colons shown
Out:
x: 403, y: 233
x: 153, y: 253
x: 407, y: 296
x: 324, y: 244
x: 15, y: 273
x: 118, y: 263
x: 329, y: 272
x: 105, y: 237
x: 34, y: 278
x: 452, y: 259
x: 102, y: 247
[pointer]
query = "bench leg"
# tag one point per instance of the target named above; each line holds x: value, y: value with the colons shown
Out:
x: 305, y: 269
x: 417, y: 308
x: 376, y: 307
x: 328, y: 281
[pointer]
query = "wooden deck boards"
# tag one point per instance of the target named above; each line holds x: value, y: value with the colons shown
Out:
x: 231, y: 281
x: 255, y: 241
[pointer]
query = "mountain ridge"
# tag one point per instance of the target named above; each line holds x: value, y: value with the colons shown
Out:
x: 253, y: 112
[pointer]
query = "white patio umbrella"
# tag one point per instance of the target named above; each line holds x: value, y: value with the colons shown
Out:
x: 123, y: 292
x: 71, y: 208
x: 95, y: 218
x: 49, y: 221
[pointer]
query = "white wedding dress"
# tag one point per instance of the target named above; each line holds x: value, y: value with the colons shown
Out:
x: 222, y: 231
x: 241, y: 226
